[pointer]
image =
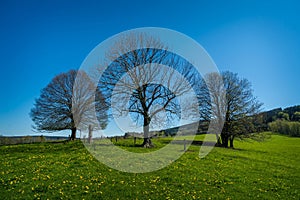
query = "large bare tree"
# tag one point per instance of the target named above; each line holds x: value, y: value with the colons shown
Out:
x: 229, y: 99
x: 137, y: 81
x: 66, y: 104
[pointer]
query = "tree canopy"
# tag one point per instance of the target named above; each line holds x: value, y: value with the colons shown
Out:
x: 238, y: 111
x: 60, y: 107
x: 137, y: 81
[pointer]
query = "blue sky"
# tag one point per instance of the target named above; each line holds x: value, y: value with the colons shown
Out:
x: 259, y: 40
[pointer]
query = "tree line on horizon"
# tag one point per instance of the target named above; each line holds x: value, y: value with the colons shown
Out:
x: 284, y: 121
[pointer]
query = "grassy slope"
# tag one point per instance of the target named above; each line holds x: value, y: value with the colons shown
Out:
x: 269, y: 170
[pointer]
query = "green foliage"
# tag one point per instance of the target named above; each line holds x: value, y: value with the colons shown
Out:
x: 283, y: 115
x: 255, y: 170
x: 271, y: 115
x: 291, y: 111
x: 296, y: 116
x: 285, y: 127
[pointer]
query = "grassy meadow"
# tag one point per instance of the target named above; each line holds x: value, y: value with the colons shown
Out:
x: 254, y: 170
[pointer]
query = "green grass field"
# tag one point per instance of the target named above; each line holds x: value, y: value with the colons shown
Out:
x: 254, y: 170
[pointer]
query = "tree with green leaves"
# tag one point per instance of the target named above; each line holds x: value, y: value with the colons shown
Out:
x: 283, y: 116
x: 296, y: 116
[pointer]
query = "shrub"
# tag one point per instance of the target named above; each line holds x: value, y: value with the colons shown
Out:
x: 285, y: 127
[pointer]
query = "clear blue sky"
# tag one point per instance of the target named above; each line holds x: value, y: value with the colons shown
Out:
x: 260, y: 40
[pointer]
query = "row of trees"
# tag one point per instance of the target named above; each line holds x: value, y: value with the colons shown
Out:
x: 138, y: 76
x: 290, y: 114
x: 284, y: 121
x: 285, y: 127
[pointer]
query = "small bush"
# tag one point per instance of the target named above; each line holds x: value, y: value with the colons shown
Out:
x: 285, y: 127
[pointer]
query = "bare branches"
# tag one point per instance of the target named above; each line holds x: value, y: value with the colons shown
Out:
x: 229, y: 98
x: 145, y: 81
x: 61, y: 107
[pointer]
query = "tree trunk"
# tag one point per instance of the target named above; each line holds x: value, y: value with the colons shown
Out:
x: 219, y: 141
x: 147, y: 141
x: 90, y: 134
x: 231, y: 141
x: 225, y: 135
x: 225, y: 144
x: 73, y: 135
x: 224, y: 138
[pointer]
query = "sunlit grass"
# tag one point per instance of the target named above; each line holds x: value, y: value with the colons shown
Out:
x: 254, y: 170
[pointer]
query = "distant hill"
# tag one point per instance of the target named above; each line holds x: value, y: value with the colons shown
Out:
x: 279, y: 113
x: 268, y: 116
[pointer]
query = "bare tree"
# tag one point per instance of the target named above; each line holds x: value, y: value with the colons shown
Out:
x: 212, y: 102
x: 239, y: 109
x: 137, y: 82
x: 60, y: 107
